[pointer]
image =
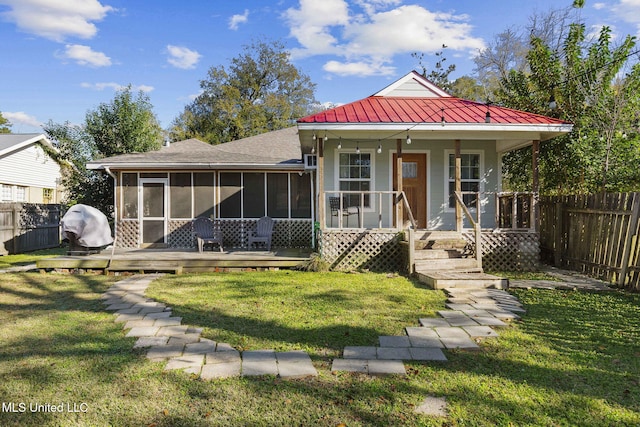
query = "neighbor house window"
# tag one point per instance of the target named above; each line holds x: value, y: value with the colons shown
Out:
x: 6, y: 194
x: 47, y: 195
x: 470, y: 173
x: 355, y: 175
x: 21, y: 194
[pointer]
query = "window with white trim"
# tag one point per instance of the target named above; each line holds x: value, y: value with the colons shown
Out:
x: 6, y: 193
x: 355, y: 175
x: 470, y: 177
x: 21, y: 194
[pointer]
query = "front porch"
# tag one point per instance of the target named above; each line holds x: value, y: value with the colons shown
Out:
x: 178, y: 260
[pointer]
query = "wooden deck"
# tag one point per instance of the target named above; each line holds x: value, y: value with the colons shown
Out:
x: 177, y: 261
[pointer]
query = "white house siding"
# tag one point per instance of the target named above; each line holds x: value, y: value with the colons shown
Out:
x: 440, y: 216
x: 30, y: 167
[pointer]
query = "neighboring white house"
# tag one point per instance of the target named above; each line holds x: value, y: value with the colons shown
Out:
x: 27, y: 173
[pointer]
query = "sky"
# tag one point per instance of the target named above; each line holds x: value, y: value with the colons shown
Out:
x: 62, y: 58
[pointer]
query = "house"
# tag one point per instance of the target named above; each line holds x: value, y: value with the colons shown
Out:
x: 28, y: 173
x: 408, y: 158
x: 159, y: 193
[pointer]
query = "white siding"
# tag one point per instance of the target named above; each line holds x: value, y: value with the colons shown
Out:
x: 30, y: 167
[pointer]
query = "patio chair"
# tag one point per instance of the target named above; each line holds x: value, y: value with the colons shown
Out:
x: 262, y: 233
x: 207, y: 232
x: 346, y: 211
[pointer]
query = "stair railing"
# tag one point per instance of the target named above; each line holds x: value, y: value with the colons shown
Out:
x: 475, y: 223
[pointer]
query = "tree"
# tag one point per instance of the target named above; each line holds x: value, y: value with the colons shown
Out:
x: 4, y: 125
x: 260, y: 91
x: 439, y: 75
x: 127, y: 124
x: 582, y: 81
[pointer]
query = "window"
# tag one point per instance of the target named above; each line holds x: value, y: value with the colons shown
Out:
x: 130, y: 195
x: 21, y: 194
x: 470, y: 173
x: 180, y: 206
x: 253, y: 195
x: 355, y: 175
x: 300, y: 195
x: 278, y: 195
x: 7, y: 193
x: 203, y: 192
x: 230, y: 195
x: 47, y: 195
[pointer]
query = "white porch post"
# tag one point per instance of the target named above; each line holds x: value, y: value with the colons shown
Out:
x: 535, y: 152
x: 398, y: 203
x: 320, y: 177
x: 458, y: 185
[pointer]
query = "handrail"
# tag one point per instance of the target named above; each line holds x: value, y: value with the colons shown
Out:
x: 461, y: 202
x: 414, y: 224
x: 476, y: 224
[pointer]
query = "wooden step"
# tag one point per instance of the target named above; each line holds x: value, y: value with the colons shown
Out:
x: 439, y: 240
x: 443, y: 280
x: 448, y: 264
x: 437, y: 254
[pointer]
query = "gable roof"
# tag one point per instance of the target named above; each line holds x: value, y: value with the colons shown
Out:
x: 411, y: 85
x: 272, y: 150
x: 10, y: 142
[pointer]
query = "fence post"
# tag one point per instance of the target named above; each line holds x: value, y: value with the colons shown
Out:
x: 633, y: 227
x: 557, y: 238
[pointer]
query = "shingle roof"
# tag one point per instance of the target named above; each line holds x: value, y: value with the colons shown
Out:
x: 376, y: 109
x: 268, y: 150
x: 11, y: 141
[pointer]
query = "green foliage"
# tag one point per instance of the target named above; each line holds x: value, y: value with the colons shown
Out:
x: 439, y: 75
x: 124, y: 125
x: 584, y: 80
x: 261, y: 91
x: 5, y: 126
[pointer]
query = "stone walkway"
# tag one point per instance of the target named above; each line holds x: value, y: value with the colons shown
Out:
x: 471, y: 317
x: 181, y: 346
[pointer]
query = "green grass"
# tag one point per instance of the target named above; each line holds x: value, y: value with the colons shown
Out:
x: 573, y: 360
x: 7, y: 261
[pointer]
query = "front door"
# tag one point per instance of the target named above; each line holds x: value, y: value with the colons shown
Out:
x: 153, y: 215
x: 414, y: 184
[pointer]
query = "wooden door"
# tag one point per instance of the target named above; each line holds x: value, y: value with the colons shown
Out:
x: 414, y: 184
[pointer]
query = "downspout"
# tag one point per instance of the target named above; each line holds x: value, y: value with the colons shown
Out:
x: 115, y: 211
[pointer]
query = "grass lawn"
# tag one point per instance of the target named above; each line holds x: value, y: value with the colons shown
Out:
x: 573, y: 360
x: 7, y: 261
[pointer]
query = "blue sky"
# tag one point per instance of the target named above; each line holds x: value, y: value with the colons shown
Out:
x: 62, y: 58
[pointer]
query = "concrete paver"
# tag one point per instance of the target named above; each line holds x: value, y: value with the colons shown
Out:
x: 463, y: 343
x: 428, y: 342
x: 150, y: 342
x: 394, y: 341
x: 259, y: 362
x: 424, y: 354
x: 386, y: 367
x: 480, y: 331
x: 185, y: 361
x: 350, y: 365
x: 164, y: 351
x: 393, y: 353
x: 143, y: 331
x: 295, y: 364
x: 359, y: 352
x: 432, y: 322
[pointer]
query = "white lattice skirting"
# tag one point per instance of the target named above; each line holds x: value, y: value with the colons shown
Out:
x: 287, y: 233
x: 363, y: 250
x: 508, y: 251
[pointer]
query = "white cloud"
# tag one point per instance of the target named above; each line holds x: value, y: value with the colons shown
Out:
x: 367, y: 34
x: 182, y: 57
x: 84, y: 55
x: 236, y: 20
x: 21, y: 118
x: 55, y: 19
x: 599, y: 6
x: 115, y: 86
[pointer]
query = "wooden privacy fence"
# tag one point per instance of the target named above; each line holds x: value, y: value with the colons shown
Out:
x: 28, y: 227
x: 595, y: 234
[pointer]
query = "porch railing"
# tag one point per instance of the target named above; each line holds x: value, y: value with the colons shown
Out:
x: 515, y: 210
x: 475, y: 223
x: 395, y: 198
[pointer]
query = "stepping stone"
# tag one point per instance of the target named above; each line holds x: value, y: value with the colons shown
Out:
x: 426, y: 342
x: 358, y: 352
x: 144, y: 331
x: 393, y: 353
x: 420, y: 331
x: 150, y: 341
x: 461, y: 321
x: 222, y: 346
x: 459, y: 343
x: 451, y: 332
x: 147, y: 310
x: 120, y: 306
x: 504, y: 315
x: 158, y: 315
x: 433, y: 322
x: 295, y: 364
x: 386, y: 367
x: 480, y: 331
x: 259, y: 362
x: 394, y: 341
x: 490, y: 321
x: 138, y: 324
x: 473, y: 313
x: 422, y: 354
x: 433, y: 407
x: 350, y: 365
x: 129, y: 311
x: 123, y: 318
x: 193, y: 330
x: 458, y: 307
x: 173, y: 330
x: 167, y: 321
x: 448, y: 314
x: 184, y: 339
x: 185, y: 361
x: 221, y: 370
x: 164, y: 351
x: 223, y: 357
x: 200, y: 347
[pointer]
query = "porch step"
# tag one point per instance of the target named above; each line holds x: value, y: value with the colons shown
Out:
x: 425, y: 254
x: 439, y: 240
x: 447, y: 264
x: 452, y: 279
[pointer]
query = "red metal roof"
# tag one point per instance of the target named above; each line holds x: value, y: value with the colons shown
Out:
x: 377, y: 109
